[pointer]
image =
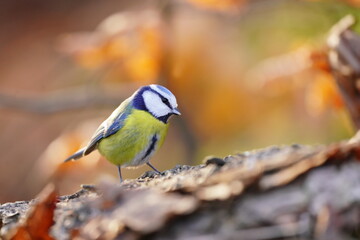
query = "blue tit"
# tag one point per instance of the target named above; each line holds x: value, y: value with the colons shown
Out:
x: 135, y: 130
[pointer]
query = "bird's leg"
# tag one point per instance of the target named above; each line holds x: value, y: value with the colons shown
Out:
x: 119, y: 169
x: 149, y: 164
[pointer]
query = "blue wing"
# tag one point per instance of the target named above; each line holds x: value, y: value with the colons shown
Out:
x: 110, y: 126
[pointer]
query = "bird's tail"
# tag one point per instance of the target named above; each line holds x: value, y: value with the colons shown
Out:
x: 76, y: 155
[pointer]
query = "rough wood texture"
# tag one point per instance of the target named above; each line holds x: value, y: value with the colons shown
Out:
x: 285, y: 192
x: 344, y: 59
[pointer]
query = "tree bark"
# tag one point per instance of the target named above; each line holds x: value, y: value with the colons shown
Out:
x: 303, y: 192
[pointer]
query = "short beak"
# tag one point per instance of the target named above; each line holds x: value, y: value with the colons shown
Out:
x: 176, y: 111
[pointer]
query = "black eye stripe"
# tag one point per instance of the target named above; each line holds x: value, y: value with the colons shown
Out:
x: 165, y: 101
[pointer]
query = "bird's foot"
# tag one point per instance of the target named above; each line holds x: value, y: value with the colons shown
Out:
x: 150, y: 174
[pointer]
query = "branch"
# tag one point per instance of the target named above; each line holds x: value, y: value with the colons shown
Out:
x: 63, y: 101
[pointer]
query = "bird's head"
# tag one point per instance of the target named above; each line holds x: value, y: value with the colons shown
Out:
x: 157, y: 100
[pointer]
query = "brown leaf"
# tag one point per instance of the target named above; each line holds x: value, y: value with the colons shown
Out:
x: 130, y: 43
x: 40, y: 217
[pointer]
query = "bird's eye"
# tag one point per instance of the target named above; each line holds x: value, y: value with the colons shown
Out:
x: 165, y: 100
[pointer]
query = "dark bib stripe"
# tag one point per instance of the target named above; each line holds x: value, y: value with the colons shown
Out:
x: 151, y: 148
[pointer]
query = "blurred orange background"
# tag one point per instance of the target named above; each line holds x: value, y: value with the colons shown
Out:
x: 247, y: 74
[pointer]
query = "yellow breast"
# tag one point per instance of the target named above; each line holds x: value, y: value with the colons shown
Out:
x: 139, y: 138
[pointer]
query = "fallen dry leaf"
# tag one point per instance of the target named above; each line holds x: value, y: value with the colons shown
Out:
x: 39, y: 218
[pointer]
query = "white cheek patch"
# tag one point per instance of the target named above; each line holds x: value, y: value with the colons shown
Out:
x: 154, y: 104
x: 173, y: 102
